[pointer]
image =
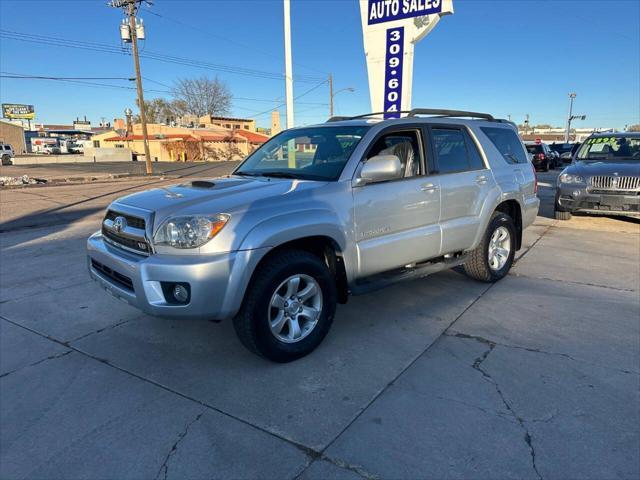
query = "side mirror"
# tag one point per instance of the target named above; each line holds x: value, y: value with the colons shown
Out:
x: 380, y: 168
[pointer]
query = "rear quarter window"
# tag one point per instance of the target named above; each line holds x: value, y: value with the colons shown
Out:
x: 507, y: 143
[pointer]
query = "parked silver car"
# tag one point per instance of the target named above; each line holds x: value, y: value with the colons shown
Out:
x: 318, y: 213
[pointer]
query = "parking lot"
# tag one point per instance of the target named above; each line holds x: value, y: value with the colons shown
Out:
x: 537, y: 376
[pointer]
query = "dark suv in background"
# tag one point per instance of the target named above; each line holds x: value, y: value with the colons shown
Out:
x: 542, y: 158
x: 565, y: 150
x: 604, y: 177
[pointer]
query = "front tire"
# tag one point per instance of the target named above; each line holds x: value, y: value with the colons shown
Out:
x: 492, y: 259
x: 562, y: 215
x: 288, y: 308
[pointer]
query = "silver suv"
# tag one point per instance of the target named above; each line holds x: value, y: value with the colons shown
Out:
x: 318, y: 213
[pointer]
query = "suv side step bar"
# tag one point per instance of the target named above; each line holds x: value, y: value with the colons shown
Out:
x: 382, y: 280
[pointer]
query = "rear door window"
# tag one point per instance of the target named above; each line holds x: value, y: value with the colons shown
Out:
x: 508, y: 144
x: 450, y: 150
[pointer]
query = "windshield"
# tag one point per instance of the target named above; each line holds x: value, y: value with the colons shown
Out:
x: 315, y: 153
x: 611, y: 149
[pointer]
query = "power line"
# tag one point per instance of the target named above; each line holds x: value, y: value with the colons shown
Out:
x: 106, y: 48
x: 75, y: 82
x: 39, y: 77
x: 226, y: 39
x: 295, y: 98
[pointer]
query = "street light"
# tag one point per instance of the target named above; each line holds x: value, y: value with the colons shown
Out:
x: 333, y: 94
x: 567, y: 131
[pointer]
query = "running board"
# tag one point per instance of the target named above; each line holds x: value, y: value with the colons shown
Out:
x: 385, y: 279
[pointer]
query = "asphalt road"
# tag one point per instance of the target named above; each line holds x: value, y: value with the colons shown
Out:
x: 537, y: 376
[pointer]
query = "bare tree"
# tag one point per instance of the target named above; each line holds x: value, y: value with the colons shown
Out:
x: 202, y: 96
x: 159, y: 110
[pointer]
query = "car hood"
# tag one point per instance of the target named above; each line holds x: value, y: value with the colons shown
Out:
x: 219, y: 195
x: 591, y: 168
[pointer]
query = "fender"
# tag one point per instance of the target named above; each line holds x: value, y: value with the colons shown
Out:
x: 278, y: 230
x: 495, y: 198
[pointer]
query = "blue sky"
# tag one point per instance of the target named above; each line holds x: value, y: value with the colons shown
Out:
x: 505, y: 57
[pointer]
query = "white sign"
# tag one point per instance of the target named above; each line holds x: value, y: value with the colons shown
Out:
x: 391, y: 28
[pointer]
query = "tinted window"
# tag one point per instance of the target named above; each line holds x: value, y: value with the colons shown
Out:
x: 451, y: 151
x: 508, y: 144
x: 535, y: 149
x: 405, y: 146
x: 474, y: 155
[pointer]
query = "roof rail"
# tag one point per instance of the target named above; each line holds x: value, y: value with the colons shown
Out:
x: 449, y: 113
x: 423, y: 111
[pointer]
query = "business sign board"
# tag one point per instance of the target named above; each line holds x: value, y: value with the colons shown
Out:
x: 391, y: 28
x: 14, y: 110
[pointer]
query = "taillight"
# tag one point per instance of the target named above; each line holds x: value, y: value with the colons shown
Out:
x: 535, y: 179
x: 540, y: 156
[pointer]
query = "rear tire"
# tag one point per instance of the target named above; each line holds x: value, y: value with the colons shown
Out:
x: 254, y: 323
x: 562, y: 215
x: 479, y: 266
x: 6, y: 160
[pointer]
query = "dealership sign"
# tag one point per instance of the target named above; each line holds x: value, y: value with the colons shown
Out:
x: 391, y: 28
x: 14, y: 110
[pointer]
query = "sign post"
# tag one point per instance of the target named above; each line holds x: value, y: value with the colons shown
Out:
x: 391, y: 28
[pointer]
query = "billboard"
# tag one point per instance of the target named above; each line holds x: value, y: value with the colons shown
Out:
x: 16, y: 110
x: 390, y: 29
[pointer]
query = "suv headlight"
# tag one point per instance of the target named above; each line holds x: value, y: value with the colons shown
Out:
x: 189, y: 231
x: 568, y: 178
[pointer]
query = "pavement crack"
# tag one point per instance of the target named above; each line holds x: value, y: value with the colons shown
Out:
x: 477, y: 365
x: 534, y: 350
x: 108, y: 327
x: 164, y: 468
x: 572, y: 282
x: 351, y: 467
x: 51, y: 357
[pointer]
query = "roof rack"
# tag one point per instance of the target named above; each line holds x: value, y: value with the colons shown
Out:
x: 423, y: 111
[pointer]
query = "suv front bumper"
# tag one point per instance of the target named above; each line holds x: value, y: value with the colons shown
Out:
x: 579, y: 198
x: 217, y: 282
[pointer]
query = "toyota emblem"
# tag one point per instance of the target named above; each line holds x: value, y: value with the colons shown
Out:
x: 119, y: 224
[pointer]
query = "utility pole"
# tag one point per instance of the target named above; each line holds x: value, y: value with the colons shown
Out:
x: 333, y: 94
x: 330, y: 95
x: 131, y: 7
x: 289, y: 78
x: 568, y: 130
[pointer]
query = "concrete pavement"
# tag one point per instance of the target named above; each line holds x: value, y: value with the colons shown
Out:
x: 537, y: 376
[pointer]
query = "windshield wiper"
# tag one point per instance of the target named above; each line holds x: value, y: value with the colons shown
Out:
x: 244, y: 174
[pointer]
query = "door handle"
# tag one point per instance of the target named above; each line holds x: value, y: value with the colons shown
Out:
x: 429, y: 187
x: 481, y: 179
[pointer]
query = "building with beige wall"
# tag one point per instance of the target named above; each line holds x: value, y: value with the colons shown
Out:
x: 229, y: 123
x: 183, y: 144
x: 13, y: 135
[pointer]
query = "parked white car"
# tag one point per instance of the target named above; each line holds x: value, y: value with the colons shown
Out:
x: 6, y: 154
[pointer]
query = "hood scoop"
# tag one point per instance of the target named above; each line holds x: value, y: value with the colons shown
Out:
x: 202, y: 184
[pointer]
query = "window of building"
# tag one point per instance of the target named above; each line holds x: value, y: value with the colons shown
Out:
x: 246, y: 127
x: 119, y: 145
x: 96, y: 143
x: 237, y: 126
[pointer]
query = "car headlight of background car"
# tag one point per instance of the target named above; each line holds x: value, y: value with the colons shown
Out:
x: 189, y: 231
x: 570, y: 178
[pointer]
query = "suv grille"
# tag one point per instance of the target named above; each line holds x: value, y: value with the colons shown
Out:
x: 128, y: 234
x: 117, y: 278
x: 134, y: 222
x: 612, y: 183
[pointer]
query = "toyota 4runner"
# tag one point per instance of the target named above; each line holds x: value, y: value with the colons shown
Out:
x: 318, y: 213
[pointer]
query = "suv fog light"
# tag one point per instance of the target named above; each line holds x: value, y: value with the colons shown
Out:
x: 180, y: 293
x: 576, y: 193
